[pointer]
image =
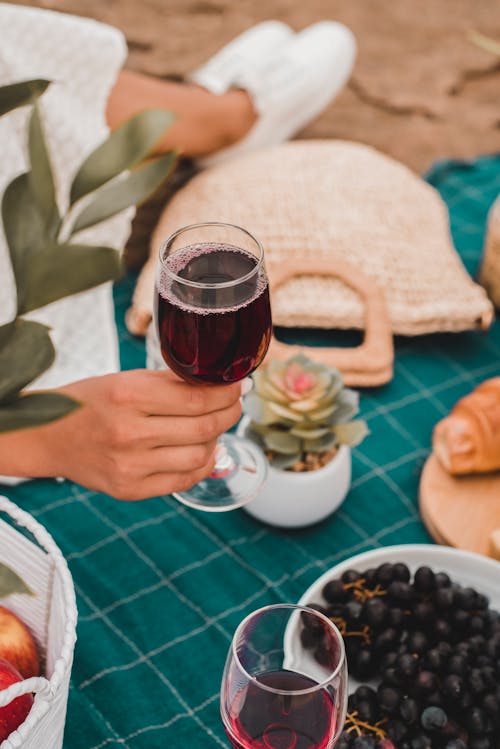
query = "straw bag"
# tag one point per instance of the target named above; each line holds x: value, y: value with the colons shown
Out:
x: 51, y: 616
x: 317, y: 205
x: 489, y: 275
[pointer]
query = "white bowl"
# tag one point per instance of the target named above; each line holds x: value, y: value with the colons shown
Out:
x: 464, y: 567
x: 295, y: 500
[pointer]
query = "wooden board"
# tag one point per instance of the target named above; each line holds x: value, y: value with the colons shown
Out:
x: 459, y: 511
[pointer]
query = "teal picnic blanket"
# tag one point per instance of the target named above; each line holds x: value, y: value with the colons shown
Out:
x: 161, y: 588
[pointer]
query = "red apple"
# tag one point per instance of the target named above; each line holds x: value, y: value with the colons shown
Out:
x: 13, y: 714
x: 17, y: 645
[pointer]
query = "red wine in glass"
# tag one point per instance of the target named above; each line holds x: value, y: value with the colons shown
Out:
x: 213, y: 319
x: 211, y: 329
x: 273, y: 694
x: 261, y: 719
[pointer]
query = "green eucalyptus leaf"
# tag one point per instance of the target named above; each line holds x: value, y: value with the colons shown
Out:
x: 351, y: 433
x: 35, y: 409
x: 11, y: 582
x: 133, y: 189
x: 41, y: 178
x: 26, y: 351
x: 281, y: 442
x: 123, y: 149
x: 23, y: 226
x: 58, y: 271
x: 6, y: 332
x: 19, y: 94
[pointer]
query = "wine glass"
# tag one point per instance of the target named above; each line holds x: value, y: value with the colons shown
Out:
x: 285, y: 681
x: 213, y: 318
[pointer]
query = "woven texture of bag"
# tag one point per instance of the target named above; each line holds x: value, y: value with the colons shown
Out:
x: 490, y: 268
x: 337, y: 200
x: 51, y: 616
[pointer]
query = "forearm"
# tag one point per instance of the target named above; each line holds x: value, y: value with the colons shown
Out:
x: 26, y: 452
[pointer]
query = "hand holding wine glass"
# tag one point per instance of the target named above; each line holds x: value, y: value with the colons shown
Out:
x: 213, y: 318
x: 274, y: 693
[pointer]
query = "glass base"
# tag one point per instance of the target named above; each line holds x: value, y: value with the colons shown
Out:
x: 230, y: 488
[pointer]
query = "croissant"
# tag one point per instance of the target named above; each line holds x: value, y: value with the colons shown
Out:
x: 468, y: 440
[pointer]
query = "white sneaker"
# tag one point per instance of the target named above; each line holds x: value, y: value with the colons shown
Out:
x: 254, y: 46
x: 293, y: 86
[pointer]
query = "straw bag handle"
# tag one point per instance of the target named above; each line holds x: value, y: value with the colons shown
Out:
x: 370, y: 363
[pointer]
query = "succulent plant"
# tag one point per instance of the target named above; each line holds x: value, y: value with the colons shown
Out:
x: 299, y: 407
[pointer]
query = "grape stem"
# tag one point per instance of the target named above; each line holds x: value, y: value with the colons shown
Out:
x: 341, y: 625
x: 357, y: 725
x: 362, y: 593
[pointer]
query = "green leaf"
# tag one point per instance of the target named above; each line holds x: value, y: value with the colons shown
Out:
x: 133, y: 189
x: 281, y: 442
x: 258, y: 409
x: 6, y: 332
x: 347, y: 406
x: 320, y: 445
x: 10, y: 582
x: 23, y: 226
x: 352, y: 433
x: 26, y: 351
x: 281, y: 462
x: 19, y: 94
x: 40, y: 178
x: 321, y: 414
x: 123, y: 149
x: 284, y: 413
x: 58, y: 271
x: 309, y: 434
x: 265, y: 388
x: 35, y: 409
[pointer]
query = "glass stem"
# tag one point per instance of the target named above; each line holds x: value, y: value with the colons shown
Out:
x: 224, y: 464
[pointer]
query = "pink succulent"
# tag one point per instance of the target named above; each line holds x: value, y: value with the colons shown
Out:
x: 298, y: 381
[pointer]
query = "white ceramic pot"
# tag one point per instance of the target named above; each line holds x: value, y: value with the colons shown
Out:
x: 295, y: 500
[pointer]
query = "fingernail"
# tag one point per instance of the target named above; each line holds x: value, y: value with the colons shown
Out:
x: 246, y: 385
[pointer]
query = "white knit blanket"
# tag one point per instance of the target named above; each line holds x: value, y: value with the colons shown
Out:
x: 82, y: 58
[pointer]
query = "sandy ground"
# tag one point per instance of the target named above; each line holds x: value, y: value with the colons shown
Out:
x: 420, y: 90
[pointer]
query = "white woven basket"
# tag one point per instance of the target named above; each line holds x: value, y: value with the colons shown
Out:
x: 51, y: 616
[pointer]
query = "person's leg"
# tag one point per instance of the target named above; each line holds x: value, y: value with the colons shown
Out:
x: 205, y: 122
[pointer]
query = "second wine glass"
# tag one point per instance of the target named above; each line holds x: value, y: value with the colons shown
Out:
x: 213, y: 318
x: 275, y: 693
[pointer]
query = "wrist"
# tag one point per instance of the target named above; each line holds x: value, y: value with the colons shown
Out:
x: 31, y: 452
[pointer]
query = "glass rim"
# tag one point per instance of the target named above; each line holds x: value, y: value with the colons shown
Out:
x: 297, y: 607
x: 197, y: 284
